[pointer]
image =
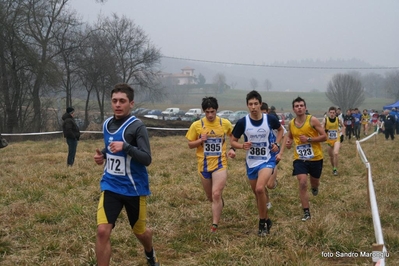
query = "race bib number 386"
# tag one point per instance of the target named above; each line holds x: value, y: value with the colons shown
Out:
x: 115, y: 164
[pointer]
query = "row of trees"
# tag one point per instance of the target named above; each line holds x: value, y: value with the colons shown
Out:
x: 351, y: 89
x: 47, y: 51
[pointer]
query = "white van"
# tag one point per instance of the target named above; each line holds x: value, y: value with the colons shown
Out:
x: 193, y: 112
x: 171, y: 111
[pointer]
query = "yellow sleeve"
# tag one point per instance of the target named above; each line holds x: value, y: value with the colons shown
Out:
x: 194, y: 131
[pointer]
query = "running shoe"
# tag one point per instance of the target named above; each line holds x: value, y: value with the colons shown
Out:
x: 335, y: 172
x: 268, y: 205
x: 306, y: 217
x: 214, y: 228
x: 264, y: 229
x: 315, y: 191
x: 153, y: 261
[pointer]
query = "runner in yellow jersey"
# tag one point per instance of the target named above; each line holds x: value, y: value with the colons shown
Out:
x: 208, y: 135
x: 332, y: 125
x: 365, y: 121
x: 306, y: 133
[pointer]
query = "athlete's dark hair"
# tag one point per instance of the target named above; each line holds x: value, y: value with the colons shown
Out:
x: 209, y: 102
x: 125, y: 88
x: 264, y: 106
x: 297, y: 100
x: 332, y: 108
x: 254, y: 95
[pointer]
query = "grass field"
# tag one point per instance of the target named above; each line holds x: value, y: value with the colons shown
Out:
x: 48, y: 211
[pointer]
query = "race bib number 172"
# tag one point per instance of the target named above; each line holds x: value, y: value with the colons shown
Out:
x: 115, y: 164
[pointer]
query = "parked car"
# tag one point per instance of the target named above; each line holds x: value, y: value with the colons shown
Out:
x: 193, y: 112
x: 233, y: 118
x: 171, y: 111
x: 155, y: 112
x: 143, y: 112
x: 224, y: 113
x: 137, y: 111
x: 180, y: 114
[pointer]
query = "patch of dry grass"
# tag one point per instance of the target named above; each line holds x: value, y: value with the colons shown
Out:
x: 48, y: 211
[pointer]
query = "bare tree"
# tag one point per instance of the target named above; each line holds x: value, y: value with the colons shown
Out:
x: 45, y: 20
x: 253, y: 83
x: 345, y: 91
x: 392, y: 84
x: 268, y: 85
x: 96, y: 69
x: 135, y: 56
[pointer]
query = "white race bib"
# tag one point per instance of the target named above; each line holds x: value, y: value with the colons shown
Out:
x: 116, y: 165
x: 213, y: 147
x: 333, y: 134
x: 258, y: 151
x: 305, y: 151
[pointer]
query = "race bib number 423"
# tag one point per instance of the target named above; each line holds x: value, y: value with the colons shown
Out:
x: 115, y: 164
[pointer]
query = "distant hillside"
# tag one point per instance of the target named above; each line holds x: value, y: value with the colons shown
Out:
x: 308, y: 76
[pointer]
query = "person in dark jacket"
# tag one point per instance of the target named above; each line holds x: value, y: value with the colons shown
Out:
x: 71, y: 133
x: 388, y: 124
x: 3, y: 142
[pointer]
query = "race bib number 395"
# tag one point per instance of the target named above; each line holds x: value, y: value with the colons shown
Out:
x: 115, y: 164
x: 213, y: 147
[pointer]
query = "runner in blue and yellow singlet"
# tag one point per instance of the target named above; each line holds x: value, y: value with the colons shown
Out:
x: 208, y: 135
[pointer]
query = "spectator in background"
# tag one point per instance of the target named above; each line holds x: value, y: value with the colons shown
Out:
x: 388, y: 121
x: 3, y: 142
x: 394, y: 113
x: 71, y: 133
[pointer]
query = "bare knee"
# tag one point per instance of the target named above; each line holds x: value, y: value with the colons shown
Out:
x: 216, y: 195
x: 303, y: 185
x: 104, y: 232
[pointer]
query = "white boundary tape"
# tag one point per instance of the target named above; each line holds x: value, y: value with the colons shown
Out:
x: 379, y: 256
x: 96, y: 132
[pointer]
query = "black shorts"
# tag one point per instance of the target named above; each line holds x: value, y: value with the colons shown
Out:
x: 111, y: 204
x: 313, y: 168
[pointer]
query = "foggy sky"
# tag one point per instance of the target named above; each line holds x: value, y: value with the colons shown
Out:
x: 263, y: 31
